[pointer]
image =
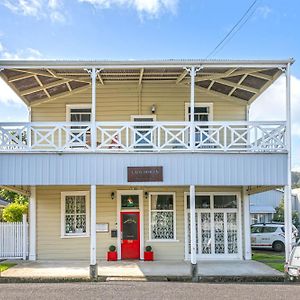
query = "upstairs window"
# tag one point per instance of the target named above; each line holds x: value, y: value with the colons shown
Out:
x: 79, y: 135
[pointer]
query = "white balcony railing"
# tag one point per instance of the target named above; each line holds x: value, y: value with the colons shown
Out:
x: 143, y: 137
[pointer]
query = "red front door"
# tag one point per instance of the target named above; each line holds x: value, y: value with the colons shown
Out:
x: 130, y: 237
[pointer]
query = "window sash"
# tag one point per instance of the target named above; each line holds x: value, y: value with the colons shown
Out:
x: 159, y: 213
x: 75, y: 218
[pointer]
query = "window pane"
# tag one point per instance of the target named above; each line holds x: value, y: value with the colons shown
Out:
x: 162, y: 225
x: 269, y: 229
x: 203, y: 109
x: 70, y: 205
x: 129, y: 201
x: 256, y: 229
x: 225, y: 201
x: 162, y: 202
x: 201, y: 201
x: 80, y: 204
x: 70, y: 224
x: 81, y: 224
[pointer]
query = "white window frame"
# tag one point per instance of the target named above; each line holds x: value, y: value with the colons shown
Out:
x: 63, y: 214
x: 153, y: 117
x: 210, y: 105
x: 238, y: 209
x: 174, y: 216
x: 76, y: 106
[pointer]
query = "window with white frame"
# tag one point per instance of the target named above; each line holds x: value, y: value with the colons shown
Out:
x: 144, y: 135
x: 203, y: 112
x: 75, y: 214
x: 162, y: 216
x: 77, y: 113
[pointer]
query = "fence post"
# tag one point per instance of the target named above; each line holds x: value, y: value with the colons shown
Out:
x: 24, y: 236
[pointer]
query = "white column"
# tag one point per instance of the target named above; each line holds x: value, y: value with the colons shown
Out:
x: 247, y: 223
x: 287, y: 188
x: 93, y: 226
x: 192, y: 108
x: 193, y: 225
x: 32, y: 223
x: 24, y: 241
x: 93, y: 115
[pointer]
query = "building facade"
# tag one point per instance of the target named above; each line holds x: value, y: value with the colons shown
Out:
x: 137, y: 153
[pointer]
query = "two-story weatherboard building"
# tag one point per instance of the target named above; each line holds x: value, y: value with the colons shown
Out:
x: 137, y: 153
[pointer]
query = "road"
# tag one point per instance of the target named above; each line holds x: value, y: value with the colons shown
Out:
x: 147, y: 290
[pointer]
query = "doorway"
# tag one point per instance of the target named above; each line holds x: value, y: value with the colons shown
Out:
x: 130, y: 243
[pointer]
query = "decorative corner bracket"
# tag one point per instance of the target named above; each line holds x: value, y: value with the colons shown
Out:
x: 193, y: 70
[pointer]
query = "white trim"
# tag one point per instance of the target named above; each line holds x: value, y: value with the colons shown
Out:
x: 76, y: 106
x: 140, y: 210
x: 174, y: 216
x: 210, y: 105
x: 32, y: 223
x: 247, y: 223
x: 153, y: 117
x: 238, y: 255
x: 87, y: 203
x: 93, y: 212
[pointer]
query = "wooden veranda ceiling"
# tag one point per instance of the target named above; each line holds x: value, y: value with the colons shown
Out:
x: 36, y: 86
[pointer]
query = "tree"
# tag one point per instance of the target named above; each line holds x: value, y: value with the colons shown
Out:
x: 18, y: 205
x: 13, y: 197
x: 279, y: 214
x: 14, y: 211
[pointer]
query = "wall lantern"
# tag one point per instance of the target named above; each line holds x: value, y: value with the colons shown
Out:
x: 146, y: 195
x: 153, y: 109
x: 112, y: 195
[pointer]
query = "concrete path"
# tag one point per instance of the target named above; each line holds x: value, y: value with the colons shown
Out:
x: 235, y: 268
x: 80, y: 269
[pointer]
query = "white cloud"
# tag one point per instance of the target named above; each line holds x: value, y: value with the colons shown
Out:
x: 149, y: 7
x: 264, y: 11
x: 271, y: 104
x: 40, y: 9
x: 8, y: 96
x: 28, y: 53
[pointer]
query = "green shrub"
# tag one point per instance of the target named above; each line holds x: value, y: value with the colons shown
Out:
x: 112, y: 248
x: 14, y: 211
x: 148, y: 248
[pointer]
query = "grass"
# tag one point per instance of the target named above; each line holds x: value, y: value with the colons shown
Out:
x: 271, y: 259
x: 5, y: 266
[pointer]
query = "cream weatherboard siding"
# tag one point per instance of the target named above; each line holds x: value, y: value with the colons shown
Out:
x: 117, y: 102
x: 50, y: 245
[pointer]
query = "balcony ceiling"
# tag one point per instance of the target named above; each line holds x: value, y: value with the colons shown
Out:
x: 242, y: 81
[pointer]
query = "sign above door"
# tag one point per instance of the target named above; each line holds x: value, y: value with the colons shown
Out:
x: 143, y: 174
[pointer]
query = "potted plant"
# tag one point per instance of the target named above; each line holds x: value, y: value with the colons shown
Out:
x: 112, y: 253
x: 148, y: 254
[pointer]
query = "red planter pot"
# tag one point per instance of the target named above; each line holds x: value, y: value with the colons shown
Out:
x: 148, y: 255
x: 112, y: 256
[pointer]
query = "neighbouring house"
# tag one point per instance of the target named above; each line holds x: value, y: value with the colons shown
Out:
x: 263, y: 205
x: 3, y: 204
x: 137, y: 153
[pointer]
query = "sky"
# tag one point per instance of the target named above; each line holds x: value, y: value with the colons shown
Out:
x: 155, y: 29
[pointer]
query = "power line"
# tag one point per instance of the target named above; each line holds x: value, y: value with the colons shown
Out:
x: 247, y: 15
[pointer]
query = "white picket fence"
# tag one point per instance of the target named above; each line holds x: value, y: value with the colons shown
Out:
x: 14, y: 239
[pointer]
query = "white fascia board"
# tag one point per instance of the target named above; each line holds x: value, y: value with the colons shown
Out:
x: 142, y: 63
